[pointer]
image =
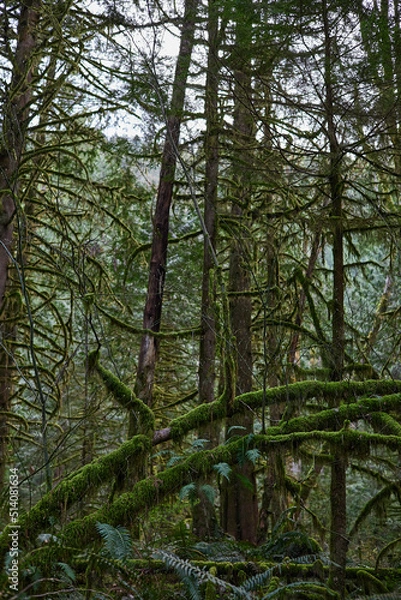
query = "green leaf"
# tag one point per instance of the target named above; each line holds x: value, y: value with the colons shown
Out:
x: 199, y: 444
x: 68, y: 572
x: 252, y: 455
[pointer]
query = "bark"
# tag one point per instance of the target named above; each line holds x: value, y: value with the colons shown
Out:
x: 158, y: 261
x: 241, y: 492
x: 16, y: 119
x: 204, y: 521
x: 315, y: 249
x: 338, y: 490
x: 207, y: 353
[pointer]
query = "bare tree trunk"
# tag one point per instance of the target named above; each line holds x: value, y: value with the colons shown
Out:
x: 158, y: 260
x: 16, y: 120
x: 207, y: 353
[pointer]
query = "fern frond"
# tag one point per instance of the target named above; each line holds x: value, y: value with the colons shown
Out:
x: 209, y: 492
x: 192, y: 587
x: 223, y: 469
x: 187, y: 571
x: 117, y: 541
x: 260, y: 579
x: 67, y: 571
x: 188, y: 492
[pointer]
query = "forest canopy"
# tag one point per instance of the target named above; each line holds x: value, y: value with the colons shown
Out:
x: 200, y: 319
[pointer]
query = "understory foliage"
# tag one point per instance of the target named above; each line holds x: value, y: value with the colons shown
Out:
x: 200, y: 373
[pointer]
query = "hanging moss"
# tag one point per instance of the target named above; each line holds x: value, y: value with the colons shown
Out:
x: 377, y: 504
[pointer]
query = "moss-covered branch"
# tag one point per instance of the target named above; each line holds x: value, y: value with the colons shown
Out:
x: 75, y: 487
x: 125, y: 396
x: 365, y: 409
x: 295, y: 392
x: 172, y: 334
x: 127, y: 508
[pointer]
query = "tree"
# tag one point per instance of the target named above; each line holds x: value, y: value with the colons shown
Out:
x: 279, y: 190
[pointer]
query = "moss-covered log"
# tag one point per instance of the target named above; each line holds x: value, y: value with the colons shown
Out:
x: 150, y: 492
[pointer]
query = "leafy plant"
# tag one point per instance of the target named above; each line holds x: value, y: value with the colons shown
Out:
x: 117, y: 541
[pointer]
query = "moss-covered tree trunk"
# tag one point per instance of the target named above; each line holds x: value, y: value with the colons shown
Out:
x: 239, y: 500
x: 16, y: 119
x: 158, y: 258
x: 204, y: 520
x: 338, y: 489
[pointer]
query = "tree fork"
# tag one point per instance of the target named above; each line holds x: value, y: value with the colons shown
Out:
x: 158, y: 261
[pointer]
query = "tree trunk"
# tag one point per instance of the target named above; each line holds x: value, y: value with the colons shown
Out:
x: 241, y: 491
x: 207, y: 353
x: 338, y: 490
x: 16, y: 120
x: 158, y: 260
x: 204, y: 522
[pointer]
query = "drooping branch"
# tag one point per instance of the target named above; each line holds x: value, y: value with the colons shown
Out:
x: 125, y: 396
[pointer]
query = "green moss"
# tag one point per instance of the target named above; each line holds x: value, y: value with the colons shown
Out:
x: 180, y: 333
x: 298, y: 393
x: 205, y: 413
x: 370, y: 583
x: 335, y: 417
x: 75, y: 486
x: 127, y: 399
x: 385, y: 423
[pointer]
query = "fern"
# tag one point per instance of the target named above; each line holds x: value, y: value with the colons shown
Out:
x: 188, y: 492
x: 117, y: 541
x: 67, y: 572
x: 192, y: 577
x: 190, y: 573
x: 294, y: 544
x: 223, y: 470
